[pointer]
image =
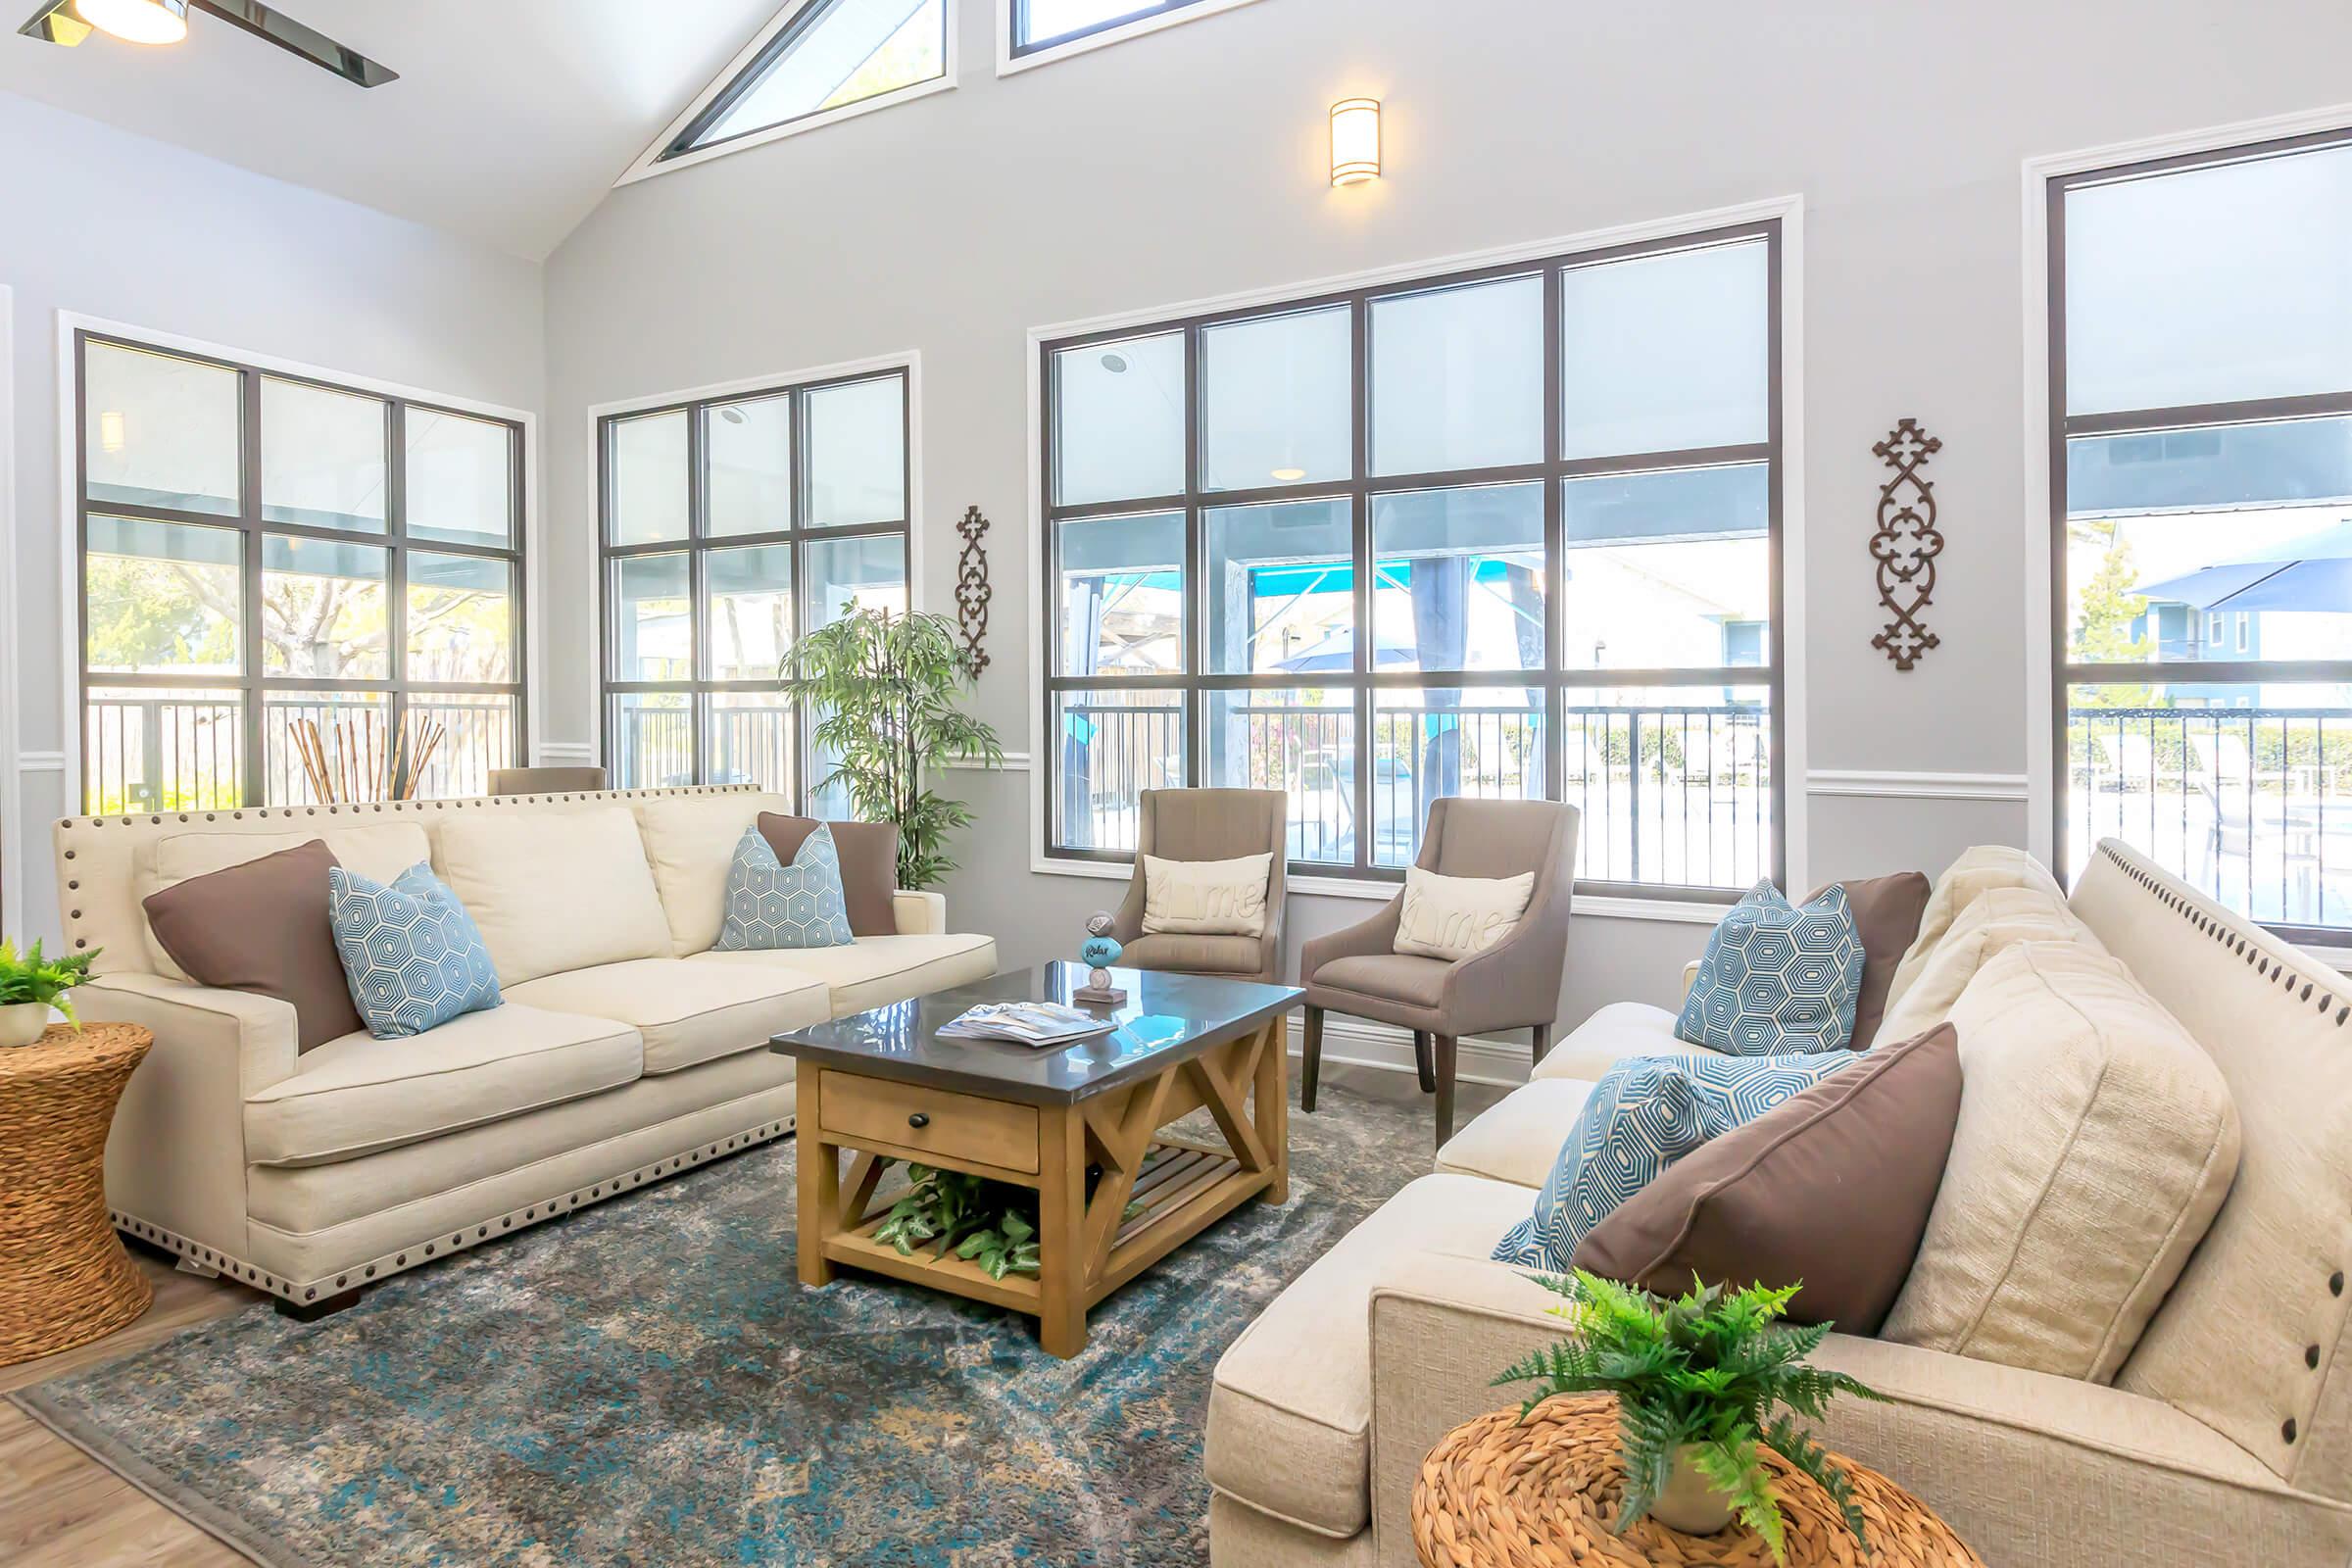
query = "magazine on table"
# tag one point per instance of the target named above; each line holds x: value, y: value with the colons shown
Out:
x: 1025, y: 1023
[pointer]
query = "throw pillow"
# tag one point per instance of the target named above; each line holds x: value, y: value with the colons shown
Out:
x: 1207, y: 898
x: 1777, y: 979
x: 413, y: 957
x: 1975, y: 872
x: 774, y: 907
x: 1994, y: 921
x: 1829, y: 1190
x: 263, y: 927
x: 1887, y: 911
x: 1645, y: 1114
x: 1456, y: 917
x: 869, y: 855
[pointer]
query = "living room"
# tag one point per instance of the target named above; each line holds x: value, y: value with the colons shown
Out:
x: 1503, y: 606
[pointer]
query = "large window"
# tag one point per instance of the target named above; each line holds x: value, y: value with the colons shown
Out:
x: 2201, y: 476
x: 1037, y: 26
x: 266, y: 557
x: 1513, y: 533
x: 730, y: 525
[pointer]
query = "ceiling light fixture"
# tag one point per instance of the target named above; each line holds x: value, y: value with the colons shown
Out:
x: 1354, y: 141
x: 1290, y: 475
x: 137, y: 21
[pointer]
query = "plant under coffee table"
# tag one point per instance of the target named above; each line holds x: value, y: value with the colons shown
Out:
x: 882, y: 1086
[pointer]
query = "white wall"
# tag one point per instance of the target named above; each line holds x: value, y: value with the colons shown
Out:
x: 101, y: 222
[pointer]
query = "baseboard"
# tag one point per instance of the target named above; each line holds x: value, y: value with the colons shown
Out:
x: 1360, y: 1042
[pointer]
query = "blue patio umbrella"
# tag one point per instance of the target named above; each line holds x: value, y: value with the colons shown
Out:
x: 2311, y: 571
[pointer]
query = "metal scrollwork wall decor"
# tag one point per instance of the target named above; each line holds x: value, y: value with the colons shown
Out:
x: 972, y: 592
x: 1907, y: 542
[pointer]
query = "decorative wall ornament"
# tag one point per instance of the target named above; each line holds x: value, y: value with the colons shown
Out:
x: 972, y: 592
x: 1907, y: 542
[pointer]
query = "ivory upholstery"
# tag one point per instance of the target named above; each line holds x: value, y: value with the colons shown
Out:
x: 1207, y: 825
x: 624, y: 1054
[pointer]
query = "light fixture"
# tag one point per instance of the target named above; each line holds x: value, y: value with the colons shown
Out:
x: 110, y: 436
x: 1289, y: 475
x: 137, y: 21
x: 1354, y: 141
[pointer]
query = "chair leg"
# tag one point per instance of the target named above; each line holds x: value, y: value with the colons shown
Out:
x: 1311, y: 1055
x: 1421, y: 1062
x: 1542, y: 1040
x: 1444, y: 1054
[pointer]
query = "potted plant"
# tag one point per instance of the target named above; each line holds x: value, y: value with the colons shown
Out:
x: 1704, y: 1383
x: 30, y: 984
x: 890, y: 692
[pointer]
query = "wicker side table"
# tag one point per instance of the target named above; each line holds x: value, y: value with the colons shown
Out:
x: 1495, y: 1494
x: 64, y: 1278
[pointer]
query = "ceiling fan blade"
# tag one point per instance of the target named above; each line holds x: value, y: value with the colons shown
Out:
x: 54, y: 23
x: 266, y: 22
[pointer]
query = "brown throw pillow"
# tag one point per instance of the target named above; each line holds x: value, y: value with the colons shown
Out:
x: 869, y: 865
x: 263, y: 927
x: 1886, y: 912
x: 1831, y: 1189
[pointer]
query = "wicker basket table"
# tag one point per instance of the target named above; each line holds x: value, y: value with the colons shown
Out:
x: 1495, y: 1494
x: 64, y: 1278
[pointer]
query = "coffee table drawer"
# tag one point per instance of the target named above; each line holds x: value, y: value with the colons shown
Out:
x: 990, y: 1132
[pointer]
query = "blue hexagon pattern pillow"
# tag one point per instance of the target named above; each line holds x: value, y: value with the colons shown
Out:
x: 1777, y: 979
x: 772, y: 906
x: 412, y: 956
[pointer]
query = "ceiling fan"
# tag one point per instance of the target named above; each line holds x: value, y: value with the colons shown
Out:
x: 151, y: 21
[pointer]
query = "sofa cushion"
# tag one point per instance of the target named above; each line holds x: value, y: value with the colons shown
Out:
x: 686, y: 1013
x: 1290, y: 1411
x: 773, y: 905
x: 1776, y: 978
x: 1977, y: 871
x: 1196, y: 954
x: 876, y: 970
x: 1517, y: 1139
x: 263, y: 927
x: 689, y: 841
x: 869, y: 865
x: 552, y: 891
x: 414, y: 956
x: 1997, y: 919
x: 1887, y: 911
x: 1389, y: 976
x: 2096, y: 1141
x: 379, y: 850
x: 1614, y: 1033
x: 358, y: 1094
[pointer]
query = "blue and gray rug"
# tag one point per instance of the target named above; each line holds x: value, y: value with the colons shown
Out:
x: 647, y: 1382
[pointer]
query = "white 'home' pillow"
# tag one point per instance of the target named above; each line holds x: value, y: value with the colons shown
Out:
x: 1207, y: 898
x: 1454, y: 917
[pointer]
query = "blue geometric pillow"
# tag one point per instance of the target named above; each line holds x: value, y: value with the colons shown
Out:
x: 1777, y: 980
x: 772, y: 906
x: 412, y: 956
x: 1645, y: 1114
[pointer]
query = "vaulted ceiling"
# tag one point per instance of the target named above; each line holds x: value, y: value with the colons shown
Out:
x: 509, y: 120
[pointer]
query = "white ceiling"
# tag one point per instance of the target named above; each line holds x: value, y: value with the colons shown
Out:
x: 509, y: 121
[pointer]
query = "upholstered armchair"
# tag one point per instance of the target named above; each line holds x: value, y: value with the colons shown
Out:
x: 1514, y: 984
x: 1207, y: 825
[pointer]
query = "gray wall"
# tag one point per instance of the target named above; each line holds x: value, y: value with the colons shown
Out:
x: 105, y: 224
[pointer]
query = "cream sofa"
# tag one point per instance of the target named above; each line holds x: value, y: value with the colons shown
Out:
x: 626, y: 1051
x: 2227, y: 1437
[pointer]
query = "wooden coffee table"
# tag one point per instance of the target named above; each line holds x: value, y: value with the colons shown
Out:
x: 882, y: 1086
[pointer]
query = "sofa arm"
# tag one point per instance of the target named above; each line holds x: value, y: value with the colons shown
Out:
x: 919, y: 914
x: 1690, y: 977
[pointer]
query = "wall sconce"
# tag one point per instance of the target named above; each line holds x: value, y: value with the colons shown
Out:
x: 1354, y: 141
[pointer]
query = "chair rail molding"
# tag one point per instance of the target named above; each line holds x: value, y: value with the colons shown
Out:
x: 1918, y: 786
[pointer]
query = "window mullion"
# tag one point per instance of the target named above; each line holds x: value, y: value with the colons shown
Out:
x: 251, y: 788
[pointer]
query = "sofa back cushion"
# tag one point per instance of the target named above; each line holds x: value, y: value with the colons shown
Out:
x: 379, y: 849
x: 1997, y: 921
x: 689, y: 843
x: 555, y: 892
x: 263, y: 927
x: 1977, y: 871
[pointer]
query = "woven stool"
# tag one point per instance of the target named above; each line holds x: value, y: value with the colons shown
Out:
x: 1496, y: 1493
x: 64, y: 1278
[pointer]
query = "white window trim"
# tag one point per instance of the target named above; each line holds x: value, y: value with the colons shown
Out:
x: 69, y: 430
x: 2041, y: 785
x: 651, y: 161
x: 12, y: 768
x: 1009, y: 64
x: 1791, y: 211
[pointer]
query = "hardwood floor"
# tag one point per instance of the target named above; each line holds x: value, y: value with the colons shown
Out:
x: 60, y: 1508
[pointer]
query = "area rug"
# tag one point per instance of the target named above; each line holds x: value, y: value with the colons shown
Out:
x: 646, y: 1382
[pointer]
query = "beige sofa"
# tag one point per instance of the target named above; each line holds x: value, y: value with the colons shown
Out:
x: 2226, y: 1435
x: 626, y: 1051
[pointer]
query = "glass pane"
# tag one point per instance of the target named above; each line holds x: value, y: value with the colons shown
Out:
x: 324, y: 609
x: 1280, y: 589
x: 651, y: 623
x: 747, y: 447
x: 2222, y: 466
x: 649, y: 497
x: 751, y: 612
x: 159, y: 431
x: 2210, y: 285
x: 2243, y: 791
x: 855, y: 49
x: 1458, y: 579
x: 1666, y: 353
x: 1486, y: 741
x: 869, y: 570
x: 1302, y: 742
x: 461, y: 478
x: 1045, y: 21
x: 461, y: 619
x: 162, y: 598
x: 2199, y: 586
x: 462, y: 736
x: 154, y: 751
x: 1277, y: 402
x: 1118, y: 420
x: 1457, y: 377
x: 1121, y: 609
x: 858, y: 453
x: 1668, y: 570
x: 1112, y: 746
x: 1674, y: 784
x: 748, y: 739
x: 323, y: 456
x: 354, y: 733
x: 650, y: 742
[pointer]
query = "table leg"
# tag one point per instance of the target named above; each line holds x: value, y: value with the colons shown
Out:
x: 820, y: 1173
x: 1272, y: 1110
x: 1061, y: 1230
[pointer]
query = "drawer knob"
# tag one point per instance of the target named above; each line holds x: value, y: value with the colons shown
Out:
x: 919, y: 1120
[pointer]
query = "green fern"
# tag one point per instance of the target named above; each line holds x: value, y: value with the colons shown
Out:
x: 32, y: 976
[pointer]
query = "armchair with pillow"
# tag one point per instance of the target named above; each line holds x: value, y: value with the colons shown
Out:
x: 1208, y: 888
